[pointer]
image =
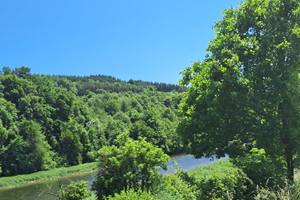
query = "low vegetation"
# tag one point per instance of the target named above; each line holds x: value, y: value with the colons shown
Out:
x: 76, y: 191
x: 13, y: 181
x: 220, y: 181
x: 131, y: 164
x: 132, y: 195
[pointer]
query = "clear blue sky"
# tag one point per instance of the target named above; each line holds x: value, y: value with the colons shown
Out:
x: 151, y: 40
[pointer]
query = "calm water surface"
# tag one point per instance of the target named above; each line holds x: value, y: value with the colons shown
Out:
x: 33, y: 191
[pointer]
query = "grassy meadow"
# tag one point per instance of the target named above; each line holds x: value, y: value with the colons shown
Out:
x: 13, y: 181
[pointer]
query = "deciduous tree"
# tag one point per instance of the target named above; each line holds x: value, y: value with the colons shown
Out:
x: 245, y: 93
x: 131, y: 164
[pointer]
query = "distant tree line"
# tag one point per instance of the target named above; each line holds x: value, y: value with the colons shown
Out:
x: 96, y: 83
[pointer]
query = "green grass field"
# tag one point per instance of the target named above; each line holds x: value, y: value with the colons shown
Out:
x: 206, y: 171
x: 44, y: 175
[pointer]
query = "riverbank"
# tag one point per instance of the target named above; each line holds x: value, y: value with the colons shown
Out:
x: 18, y: 180
x: 28, y: 189
x: 201, y: 172
x: 184, y: 160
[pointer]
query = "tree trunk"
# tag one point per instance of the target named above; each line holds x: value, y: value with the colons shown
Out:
x: 288, y: 150
x: 290, y: 164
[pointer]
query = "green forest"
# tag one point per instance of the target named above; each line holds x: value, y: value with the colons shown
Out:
x: 53, y: 121
x: 241, y: 101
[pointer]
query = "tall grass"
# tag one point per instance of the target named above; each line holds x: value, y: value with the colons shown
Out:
x: 207, y: 171
x: 286, y: 193
x: 174, y: 188
x: 289, y: 192
x: 43, y: 175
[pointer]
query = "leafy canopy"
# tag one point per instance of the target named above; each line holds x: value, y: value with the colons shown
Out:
x: 245, y: 93
x: 131, y: 164
x: 55, y: 121
x: 76, y: 191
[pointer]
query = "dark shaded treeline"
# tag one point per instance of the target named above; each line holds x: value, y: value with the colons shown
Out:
x: 53, y: 121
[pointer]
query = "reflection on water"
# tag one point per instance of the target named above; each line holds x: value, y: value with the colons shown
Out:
x: 37, y: 191
x: 40, y: 190
x: 187, y: 162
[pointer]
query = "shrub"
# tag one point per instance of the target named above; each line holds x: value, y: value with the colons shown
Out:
x: 289, y: 192
x: 262, y: 169
x: 131, y: 164
x: 232, y: 184
x: 179, y: 188
x: 76, y: 191
x: 224, y: 181
x: 132, y: 195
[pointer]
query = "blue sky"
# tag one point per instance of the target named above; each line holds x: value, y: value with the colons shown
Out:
x: 150, y: 40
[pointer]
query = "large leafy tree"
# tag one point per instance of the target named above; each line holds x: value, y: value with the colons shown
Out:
x: 245, y: 93
x: 25, y: 151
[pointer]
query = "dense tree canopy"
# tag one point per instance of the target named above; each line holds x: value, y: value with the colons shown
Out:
x: 245, y: 93
x: 52, y: 121
x: 96, y: 84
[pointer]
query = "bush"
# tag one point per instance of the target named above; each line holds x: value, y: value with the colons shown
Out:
x: 262, y: 169
x: 131, y: 164
x: 220, y: 180
x: 289, y: 192
x: 76, y: 191
x: 179, y: 188
x: 232, y: 184
x: 132, y: 195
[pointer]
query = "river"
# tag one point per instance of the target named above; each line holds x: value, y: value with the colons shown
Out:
x: 36, y: 191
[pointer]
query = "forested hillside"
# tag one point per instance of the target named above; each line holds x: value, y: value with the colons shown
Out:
x: 52, y: 121
x: 81, y: 85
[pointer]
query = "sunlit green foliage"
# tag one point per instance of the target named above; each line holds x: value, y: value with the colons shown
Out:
x: 179, y: 188
x: 53, y: 121
x: 221, y: 180
x: 132, y: 195
x: 76, y: 191
x: 262, y: 169
x: 131, y: 164
x: 245, y: 93
x: 17, y: 180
